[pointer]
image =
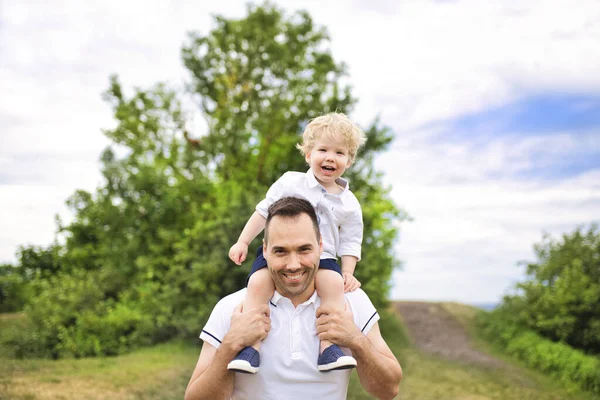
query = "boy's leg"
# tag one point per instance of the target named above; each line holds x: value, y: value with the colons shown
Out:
x: 330, y: 288
x: 260, y: 290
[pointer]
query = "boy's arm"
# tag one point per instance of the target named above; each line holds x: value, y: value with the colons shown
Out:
x: 351, y: 235
x: 349, y: 264
x: 350, y: 281
x: 351, y: 232
x: 256, y: 223
x: 254, y: 226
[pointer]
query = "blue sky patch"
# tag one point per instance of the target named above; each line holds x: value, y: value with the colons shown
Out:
x: 576, y: 117
x: 541, y: 114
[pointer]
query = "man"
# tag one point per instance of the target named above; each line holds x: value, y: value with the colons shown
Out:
x: 291, y: 327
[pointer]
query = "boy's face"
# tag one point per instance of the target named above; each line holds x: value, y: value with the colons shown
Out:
x: 328, y: 160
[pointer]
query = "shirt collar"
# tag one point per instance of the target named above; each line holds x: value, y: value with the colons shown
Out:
x: 314, y: 300
x: 313, y: 182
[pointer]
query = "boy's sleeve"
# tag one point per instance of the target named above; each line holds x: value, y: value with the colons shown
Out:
x: 351, y: 233
x: 274, y: 193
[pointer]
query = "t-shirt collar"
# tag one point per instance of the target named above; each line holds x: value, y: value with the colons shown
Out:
x: 313, y: 182
x: 314, y: 300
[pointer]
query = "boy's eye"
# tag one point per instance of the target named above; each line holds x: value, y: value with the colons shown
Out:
x: 341, y: 153
x: 321, y: 149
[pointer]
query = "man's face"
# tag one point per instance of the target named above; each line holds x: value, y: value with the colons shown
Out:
x: 292, y: 251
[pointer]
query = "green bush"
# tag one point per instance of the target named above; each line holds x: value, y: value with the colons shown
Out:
x: 560, y: 298
x: 569, y: 365
x: 70, y: 317
x: 14, y: 289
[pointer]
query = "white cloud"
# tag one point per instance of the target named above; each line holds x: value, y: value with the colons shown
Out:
x: 476, y: 230
x: 416, y: 64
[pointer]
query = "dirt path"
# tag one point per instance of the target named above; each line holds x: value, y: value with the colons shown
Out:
x: 435, y: 330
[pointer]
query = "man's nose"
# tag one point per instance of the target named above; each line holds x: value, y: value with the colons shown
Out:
x: 294, y: 261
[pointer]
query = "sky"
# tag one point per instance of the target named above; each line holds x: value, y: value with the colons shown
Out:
x: 495, y: 108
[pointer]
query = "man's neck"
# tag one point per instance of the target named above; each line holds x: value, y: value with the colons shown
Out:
x: 299, y: 299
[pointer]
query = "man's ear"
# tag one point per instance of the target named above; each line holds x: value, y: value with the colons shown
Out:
x: 320, y: 244
x: 264, y: 247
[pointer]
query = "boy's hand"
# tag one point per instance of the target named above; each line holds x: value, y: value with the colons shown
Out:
x: 350, y: 282
x: 238, y: 253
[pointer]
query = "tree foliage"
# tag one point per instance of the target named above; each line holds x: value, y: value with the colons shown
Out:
x: 561, y: 297
x: 145, y: 257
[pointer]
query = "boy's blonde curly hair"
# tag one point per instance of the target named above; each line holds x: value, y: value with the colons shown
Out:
x: 333, y: 126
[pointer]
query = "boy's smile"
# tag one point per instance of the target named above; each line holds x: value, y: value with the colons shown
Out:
x: 328, y: 160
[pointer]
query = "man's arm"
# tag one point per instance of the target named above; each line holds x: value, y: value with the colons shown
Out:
x: 378, y: 370
x: 211, y: 379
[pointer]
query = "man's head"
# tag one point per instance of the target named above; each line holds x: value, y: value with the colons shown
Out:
x: 292, y: 247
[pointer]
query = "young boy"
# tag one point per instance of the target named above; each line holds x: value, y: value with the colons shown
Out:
x: 329, y: 145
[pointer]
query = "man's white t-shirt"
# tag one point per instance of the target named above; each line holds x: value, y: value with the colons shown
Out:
x: 288, y: 356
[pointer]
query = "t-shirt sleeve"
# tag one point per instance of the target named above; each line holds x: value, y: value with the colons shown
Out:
x: 351, y: 234
x: 274, y: 193
x: 219, y: 322
x: 365, y: 314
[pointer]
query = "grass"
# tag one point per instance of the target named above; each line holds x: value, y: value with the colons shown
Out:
x: 162, y: 372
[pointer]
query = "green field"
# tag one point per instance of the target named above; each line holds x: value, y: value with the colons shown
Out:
x: 162, y: 372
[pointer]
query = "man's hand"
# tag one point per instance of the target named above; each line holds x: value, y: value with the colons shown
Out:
x: 238, y: 253
x: 248, y: 327
x: 350, y: 282
x: 337, y: 326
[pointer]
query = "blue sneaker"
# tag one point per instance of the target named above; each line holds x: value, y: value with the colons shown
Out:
x: 333, y: 359
x: 247, y: 361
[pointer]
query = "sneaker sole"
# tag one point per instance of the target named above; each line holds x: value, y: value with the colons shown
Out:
x: 345, y: 362
x: 242, y: 366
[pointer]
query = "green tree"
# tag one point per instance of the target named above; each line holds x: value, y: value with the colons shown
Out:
x: 560, y: 298
x: 145, y: 258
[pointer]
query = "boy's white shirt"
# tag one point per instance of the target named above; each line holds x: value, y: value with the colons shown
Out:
x: 288, y: 369
x: 340, y: 215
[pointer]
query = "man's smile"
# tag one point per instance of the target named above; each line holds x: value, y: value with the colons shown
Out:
x: 294, y: 277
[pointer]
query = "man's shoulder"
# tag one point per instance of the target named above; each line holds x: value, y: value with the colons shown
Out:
x: 358, y: 295
x: 365, y: 313
x: 229, y: 302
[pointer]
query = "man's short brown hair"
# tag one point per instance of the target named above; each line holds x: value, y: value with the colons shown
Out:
x: 292, y: 207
